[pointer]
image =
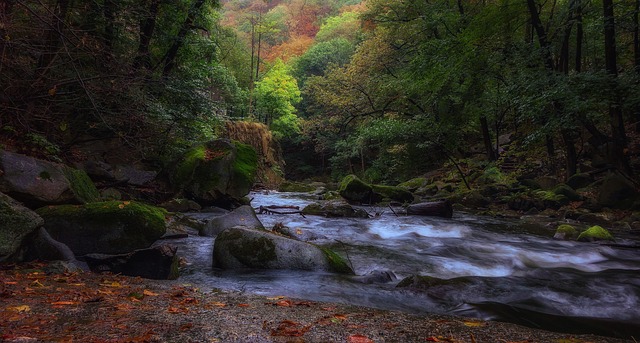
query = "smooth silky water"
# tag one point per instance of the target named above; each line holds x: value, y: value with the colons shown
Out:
x: 512, y: 273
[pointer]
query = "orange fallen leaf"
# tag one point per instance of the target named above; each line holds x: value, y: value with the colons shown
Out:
x: 218, y: 304
x: 243, y: 305
x: 19, y: 309
x: 10, y: 282
x: 62, y: 303
x: 186, y: 327
x: 432, y: 339
x: 284, y: 303
x: 359, y: 339
x: 149, y: 293
x: 474, y: 323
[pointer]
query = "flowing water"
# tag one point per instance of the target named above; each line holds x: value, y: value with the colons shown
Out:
x: 510, y: 271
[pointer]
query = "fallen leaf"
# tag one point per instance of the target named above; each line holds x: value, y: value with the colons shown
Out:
x: 62, y: 303
x: 186, y: 327
x: 359, y: 339
x: 218, y: 304
x: 432, y: 339
x: 19, y: 309
x: 474, y: 323
x: 277, y: 298
x: 149, y: 293
x: 37, y: 283
x: 284, y: 303
x: 243, y: 305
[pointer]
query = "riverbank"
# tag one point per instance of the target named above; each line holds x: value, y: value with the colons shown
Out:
x: 42, y: 304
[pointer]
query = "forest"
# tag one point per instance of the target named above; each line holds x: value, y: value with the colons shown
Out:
x: 385, y: 89
x: 474, y: 158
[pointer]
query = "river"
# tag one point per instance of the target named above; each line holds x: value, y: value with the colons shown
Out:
x: 512, y: 272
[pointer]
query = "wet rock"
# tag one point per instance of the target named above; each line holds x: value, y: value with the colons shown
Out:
x: 242, y: 247
x: 414, y: 184
x: 578, y: 181
x: 159, y: 262
x: 566, y: 232
x: 335, y: 209
x: 40, y: 246
x: 133, y: 175
x: 241, y: 216
x: 111, y: 227
x: 355, y: 190
x: 595, y: 233
x: 567, y: 191
x: 181, y: 205
x: 291, y: 186
x: 376, y: 276
x: 17, y: 222
x: 299, y: 234
x: 593, y: 218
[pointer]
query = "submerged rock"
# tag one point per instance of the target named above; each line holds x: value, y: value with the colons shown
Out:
x: 376, y: 276
x: 242, y: 247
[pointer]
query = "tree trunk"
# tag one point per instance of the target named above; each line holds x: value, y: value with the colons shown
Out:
x: 618, y: 135
x: 579, y: 36
x: 572, y: 157
x: 541, y: 33
x: 53, y: 38
x: 5, y: 14
x: 486, y: 138
x: 147, y: 27
x: 436, y: 209
x: 109, y: 13
x: 172, y: 53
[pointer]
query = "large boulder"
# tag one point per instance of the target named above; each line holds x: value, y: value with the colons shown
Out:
x: 241, y: 216
x: 216, y: 172
x: 242, y: 247
x: 40, y: 246
x: 595, y: 233
x: 159, y: 262
x: 334, y: 209
x: 37, y: 182
x: 355, y: 190
x: 616, y: 191
x: 112, y: 227
x: 16, y: 222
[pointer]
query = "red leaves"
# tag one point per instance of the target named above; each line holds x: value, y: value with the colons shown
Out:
x: 358, y: 339
x: 290, y: 328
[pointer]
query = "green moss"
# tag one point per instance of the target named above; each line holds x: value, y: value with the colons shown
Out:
x: 252, y: 252
x: 81, y: 185
x: 245, y: 165
x: 568, y: 192
x: 566, y: 231
x: 393, y: 193
x: 414, y: 184
x: 595, y: 233
x: 17, y: 221
x: 336, y: 262
x: 354, y: 189
x: 186, y: 168
x: 296, y: 187
x: 144, y: 220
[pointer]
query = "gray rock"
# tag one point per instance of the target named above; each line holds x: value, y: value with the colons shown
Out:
x: 335, y: 209
x: 617, y: 191
x: 242, y: 247
x: 241, y: 216
x: 133, y: 175
x: 376, y: 276
x: 16, y: 223
x: 40, y: 246
x: 578, y: 181
x: 298, y: 234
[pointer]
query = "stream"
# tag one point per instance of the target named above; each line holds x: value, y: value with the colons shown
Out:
x: 511, y: 272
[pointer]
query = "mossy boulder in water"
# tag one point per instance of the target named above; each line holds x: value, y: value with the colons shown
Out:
x: 111, y: 227
x: 291, y: 186
x: 242, y: 247
x: 335, y: 209
x: 216, y: 172
x: 17, y: 222
x: 355, y: 190
x: 565, y: 231
x: 595, y: 233
x: 413, y: 184
x: 37, y: 182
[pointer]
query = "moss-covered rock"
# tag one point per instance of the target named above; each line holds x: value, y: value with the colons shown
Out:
x: 334, y: 209
x: 595, y: 233
x: 242, y: 247
x: 111, y: 227
x: 567, y: 191
x: 580, y: 180
x: 414, y: 184
x: 81, y: 185
x: 38, y: 183
x: 216, y: 172
x: 355, y: 190
x: 566, y: 231
x: 393, y: 193
x: 17, y: 222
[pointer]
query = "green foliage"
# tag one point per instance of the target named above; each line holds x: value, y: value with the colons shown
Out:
x: 322, y: 55
x: 346, y: 25
x: 276, y: 95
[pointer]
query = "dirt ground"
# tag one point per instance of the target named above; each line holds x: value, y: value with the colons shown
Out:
x: 41, y: 306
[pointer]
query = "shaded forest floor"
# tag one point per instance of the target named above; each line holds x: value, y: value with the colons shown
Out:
x: 38, y: 304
